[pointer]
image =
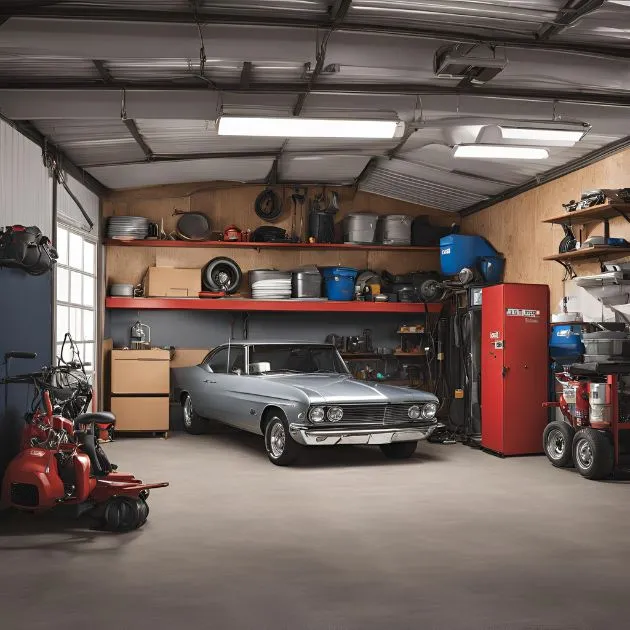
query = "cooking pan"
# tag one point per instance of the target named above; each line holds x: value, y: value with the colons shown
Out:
x: 192, y: 226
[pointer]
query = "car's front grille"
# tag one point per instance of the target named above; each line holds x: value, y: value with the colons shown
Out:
x: 395, y: 414
x: 364, y: 413
x: 377, y: 413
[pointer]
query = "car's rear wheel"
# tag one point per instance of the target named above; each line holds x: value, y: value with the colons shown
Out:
x: 282, y: 449
x: 193, y: 422
x: 399, y: 450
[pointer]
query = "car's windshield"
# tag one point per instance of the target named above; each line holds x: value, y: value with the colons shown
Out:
x: 298, y: 359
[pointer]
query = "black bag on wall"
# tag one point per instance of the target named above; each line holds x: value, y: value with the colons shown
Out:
x: 26, y: 248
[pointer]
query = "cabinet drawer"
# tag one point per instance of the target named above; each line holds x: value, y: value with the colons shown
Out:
x: 141, y: 413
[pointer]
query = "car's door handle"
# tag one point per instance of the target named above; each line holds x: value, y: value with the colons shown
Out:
x: 208, y: 381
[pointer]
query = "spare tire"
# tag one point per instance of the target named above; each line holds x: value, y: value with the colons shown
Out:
x: 222, y: 274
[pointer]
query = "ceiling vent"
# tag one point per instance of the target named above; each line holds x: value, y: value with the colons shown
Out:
x: 478, y: 65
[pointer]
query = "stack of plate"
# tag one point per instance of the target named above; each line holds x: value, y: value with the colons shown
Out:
x: 127, y: 228
x: 279, y: 289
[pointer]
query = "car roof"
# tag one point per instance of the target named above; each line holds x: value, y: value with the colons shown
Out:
x: 273, y: 342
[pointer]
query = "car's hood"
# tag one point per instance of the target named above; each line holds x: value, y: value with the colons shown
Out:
x: 341, y: 388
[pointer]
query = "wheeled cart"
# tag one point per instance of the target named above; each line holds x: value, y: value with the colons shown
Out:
x: 595, y: 429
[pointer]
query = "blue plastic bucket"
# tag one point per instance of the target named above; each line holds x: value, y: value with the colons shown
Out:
x: 339, y: 283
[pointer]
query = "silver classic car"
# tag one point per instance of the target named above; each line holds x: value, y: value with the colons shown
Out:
x: 301, y: 394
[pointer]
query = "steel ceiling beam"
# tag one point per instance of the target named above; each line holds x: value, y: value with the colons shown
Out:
x: 337, y: 14
x: 137, y: 136
x: 226, y: 155
x: 570, y: 13
x: 102, y: 70
x: 185, y: 17
x: 246, y: 75
x: 400, y: 89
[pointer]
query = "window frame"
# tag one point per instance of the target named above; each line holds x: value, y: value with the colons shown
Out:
x: 81, y: 306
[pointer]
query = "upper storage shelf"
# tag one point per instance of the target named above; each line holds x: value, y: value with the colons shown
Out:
x: 244, y: 304
x: 592, y: 215
x: 304, y: 246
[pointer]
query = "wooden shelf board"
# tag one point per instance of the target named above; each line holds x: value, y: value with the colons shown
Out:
x: 590, y: 215
x: 244, y: 304
x: 591, y: 253
x: 409, y: 354
x: 302, y: 246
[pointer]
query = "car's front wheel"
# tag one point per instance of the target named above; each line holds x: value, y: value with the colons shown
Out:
x: 193, y: 422
x: 399, y: 450
x: 282, y: 449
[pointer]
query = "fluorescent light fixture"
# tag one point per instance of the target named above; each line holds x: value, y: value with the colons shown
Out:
x: 500, y: 151
x: 309, y: 127
x: 542, y: 134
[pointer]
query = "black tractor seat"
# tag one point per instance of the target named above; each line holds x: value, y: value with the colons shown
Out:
x: 99, y: 417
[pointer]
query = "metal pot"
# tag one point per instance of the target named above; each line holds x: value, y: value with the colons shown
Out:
x: 360, y: 227
x: 394, y: 229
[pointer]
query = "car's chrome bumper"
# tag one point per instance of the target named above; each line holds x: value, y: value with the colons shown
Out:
x: 309, y: 435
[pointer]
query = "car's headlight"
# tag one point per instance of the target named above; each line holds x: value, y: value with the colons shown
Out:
x: 335, y: 414
x: 414, y: 412
x: 429, y: 410
x: 316, y: 414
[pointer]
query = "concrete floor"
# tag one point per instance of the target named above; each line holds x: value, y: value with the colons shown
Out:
x: 453, y: 538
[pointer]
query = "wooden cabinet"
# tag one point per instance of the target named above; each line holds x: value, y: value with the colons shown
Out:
x: 140, y: 386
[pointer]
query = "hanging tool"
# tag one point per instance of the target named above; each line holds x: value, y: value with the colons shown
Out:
x: 298, y: 196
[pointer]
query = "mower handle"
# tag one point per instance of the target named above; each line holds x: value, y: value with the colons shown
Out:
x: 20, y: 355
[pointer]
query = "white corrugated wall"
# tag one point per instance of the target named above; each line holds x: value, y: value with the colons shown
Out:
x: 67, y: 210
x: 25, y: 185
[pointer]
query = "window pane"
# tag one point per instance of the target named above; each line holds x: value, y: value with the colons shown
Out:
x: 88, y: 325
x: 62, y: 284
x: 66, y: 357
x: 88, y: 357
x: 88, y: 291
x: 75, y: 251
x: 62, y: 322
x: 62, y: 245
x: 89, y: 251
x: 58, y: 352
x: 76, y: 317
x: 76, y: 281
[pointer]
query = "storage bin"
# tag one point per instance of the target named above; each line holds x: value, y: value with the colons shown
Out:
x: 394, y: 229
x: 606, y: 343
x: 460, y: 250
x: 360, y: 228
x: 339, y: 283
x: 306, y: 283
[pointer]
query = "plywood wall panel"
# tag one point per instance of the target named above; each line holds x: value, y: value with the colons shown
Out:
x: 227, y: 203
x: 515, y: 226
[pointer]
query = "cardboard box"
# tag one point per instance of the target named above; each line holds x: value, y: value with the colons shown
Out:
x: 187, y: 357
x: 172, y: 282
x: 140, y: 372
x: 141, y: 413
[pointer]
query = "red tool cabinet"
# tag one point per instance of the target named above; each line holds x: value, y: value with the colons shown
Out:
x: 514, y: 367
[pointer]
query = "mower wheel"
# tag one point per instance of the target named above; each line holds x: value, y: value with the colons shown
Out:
x: 558, y: 443
x: 593, y: 453
x: 193, y: 422
x: 399, y: 450
x: 124, y: 514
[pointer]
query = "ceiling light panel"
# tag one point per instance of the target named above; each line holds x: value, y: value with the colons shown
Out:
x: 500, y: 152
x: 542, y: 135
x: 308, y: 127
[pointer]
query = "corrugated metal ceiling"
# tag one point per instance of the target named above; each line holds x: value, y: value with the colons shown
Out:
x: 423, y: 170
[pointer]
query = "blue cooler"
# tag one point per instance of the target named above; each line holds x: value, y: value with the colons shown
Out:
x: 339, y: 283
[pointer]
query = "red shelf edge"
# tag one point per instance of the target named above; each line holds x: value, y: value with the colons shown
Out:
x: 196, y: 304
x: 304, y: 246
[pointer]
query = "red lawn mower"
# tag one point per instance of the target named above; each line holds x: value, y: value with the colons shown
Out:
x: 61, y: 462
